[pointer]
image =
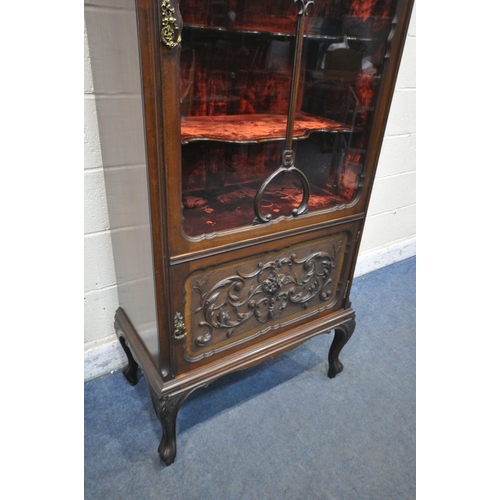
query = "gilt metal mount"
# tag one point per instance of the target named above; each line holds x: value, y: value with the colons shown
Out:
x: 170, y: 31
x: 180, y: 329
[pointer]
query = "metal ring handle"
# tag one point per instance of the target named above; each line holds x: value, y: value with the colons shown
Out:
x: 301, y: 209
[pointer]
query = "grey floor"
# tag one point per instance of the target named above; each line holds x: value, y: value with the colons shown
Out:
x: 281, y: 430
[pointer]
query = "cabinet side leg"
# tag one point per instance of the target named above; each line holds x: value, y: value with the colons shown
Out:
x: 130, y: 371
x: 166, y: 408
x: 342, y: 335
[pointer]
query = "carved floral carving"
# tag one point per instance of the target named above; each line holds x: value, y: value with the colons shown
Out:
x: 265, y: 293
x: 166, y: 406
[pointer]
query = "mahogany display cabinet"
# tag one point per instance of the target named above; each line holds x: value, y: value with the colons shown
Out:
x: 236, y: 238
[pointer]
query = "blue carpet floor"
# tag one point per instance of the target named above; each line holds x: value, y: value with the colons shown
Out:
x: 282, y: 430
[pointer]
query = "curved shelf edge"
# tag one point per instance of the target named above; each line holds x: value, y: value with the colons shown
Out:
x: 254, y: 128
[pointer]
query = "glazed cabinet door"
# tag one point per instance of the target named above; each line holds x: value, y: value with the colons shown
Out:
x: 272, y: 113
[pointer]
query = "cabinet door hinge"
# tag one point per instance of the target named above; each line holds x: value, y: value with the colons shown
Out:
x: 357, y: 236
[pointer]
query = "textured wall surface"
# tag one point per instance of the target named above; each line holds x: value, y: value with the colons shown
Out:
x: 389, y: 233
x: 391, y: 215
x: 100, y: 295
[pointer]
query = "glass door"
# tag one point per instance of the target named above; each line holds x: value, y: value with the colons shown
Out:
x: 277, y: 100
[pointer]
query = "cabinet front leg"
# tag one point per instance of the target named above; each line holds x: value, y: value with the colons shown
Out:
x: 342, y: 335
x: 166, y: 408
x: 130, y: 371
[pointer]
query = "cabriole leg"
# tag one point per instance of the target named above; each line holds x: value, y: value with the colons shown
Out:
x: 166, y: 408
x: 342, y: 335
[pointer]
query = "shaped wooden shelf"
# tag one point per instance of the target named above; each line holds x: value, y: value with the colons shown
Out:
x: 254, y: 128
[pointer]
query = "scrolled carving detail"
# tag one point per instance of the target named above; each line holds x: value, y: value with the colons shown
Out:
x: 263, y: 294
x: 166, y: 405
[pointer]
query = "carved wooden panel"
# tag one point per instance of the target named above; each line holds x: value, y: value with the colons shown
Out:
x: 237, y: 302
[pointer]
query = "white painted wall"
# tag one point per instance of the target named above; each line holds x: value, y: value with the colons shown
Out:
x: 389, y: 235
x: 100, y: 292
x: 390, y: 229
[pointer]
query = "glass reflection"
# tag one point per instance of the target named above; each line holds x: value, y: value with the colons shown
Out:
x: 236, y: 66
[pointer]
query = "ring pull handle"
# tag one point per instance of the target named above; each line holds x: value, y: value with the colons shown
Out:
x: 287, y: 166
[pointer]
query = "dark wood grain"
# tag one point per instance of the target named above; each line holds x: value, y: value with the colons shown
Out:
x: 179, y: 259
